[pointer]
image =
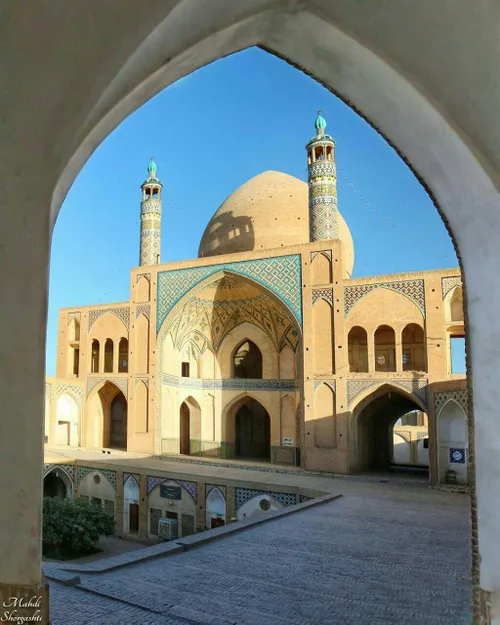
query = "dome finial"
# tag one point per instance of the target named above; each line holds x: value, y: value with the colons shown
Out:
x: 320, y: 124
x: 152, y: 168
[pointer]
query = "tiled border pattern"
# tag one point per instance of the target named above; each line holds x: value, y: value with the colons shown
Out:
x: 412, y: 289
x: 326, y: 294
x: 281, y: 275
x: 417, y: 387
x: 234, y: 384
x: 142, y: 309
x: 154, y: 481
x: 122, y: 313
x: 241, y: 495
x: 69, y: 469
x: 448, y: 283
x: 461, y: 396
x: 331, y: 383
x: 108, y: 473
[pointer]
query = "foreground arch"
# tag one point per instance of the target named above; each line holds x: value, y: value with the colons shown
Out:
x: 444, y: 122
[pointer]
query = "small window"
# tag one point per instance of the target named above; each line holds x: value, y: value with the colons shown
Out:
x: 185, y: 370
x: 426, y: 443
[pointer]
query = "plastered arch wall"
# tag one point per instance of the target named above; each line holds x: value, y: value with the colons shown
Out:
x: 185, y: 506
x: 107, y: 326
x: 401, y: 449
x: 453, y: 444
x: 454, y: 305
x: 288, y: 369
x: 142, y: 290
x: 215, y: 506
x: 104, y: 490
x: 246, y: 330
x: 65, y: 477
x: 321, y: 269
x: 233, y: 403
x: 252, y: 509
x: 131, y: 495
x: 67, y: 420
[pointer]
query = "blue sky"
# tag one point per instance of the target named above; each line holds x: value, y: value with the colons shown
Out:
x: 209, y: 133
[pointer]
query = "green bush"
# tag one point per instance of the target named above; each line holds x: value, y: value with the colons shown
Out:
x: 71, y: 528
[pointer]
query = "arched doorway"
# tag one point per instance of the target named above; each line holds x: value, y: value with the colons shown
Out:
x: 190, y: 428
x: 253, y: 431
x: 453, y: 444
x: 247, y: 361
x: 57, y: 485
x: 118, y: 422
x: 379, y: 447
x: 184, y: 430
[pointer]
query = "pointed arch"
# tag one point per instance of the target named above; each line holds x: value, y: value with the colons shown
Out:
x: 246, y: 361
x: 453, y: 443
x: 357, y: 341
x: 215, y: 508
x: 323, y: 338
x: 385, y: 348
x: 454, y: 304
x: 322, y: 269
x: 325, y: 417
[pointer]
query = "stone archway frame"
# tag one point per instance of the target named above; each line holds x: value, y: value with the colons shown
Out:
x: 83, y: 472
x: 416, y: 389
x: 416, y: 117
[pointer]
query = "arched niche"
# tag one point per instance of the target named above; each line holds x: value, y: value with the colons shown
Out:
x: 215, y: 509
x: 321, y: 269
x: 453, y: 443
x: 131, y: 499
x: 141, y: 407
x: 108, y: 355
x: 142, y: 290
x: 287, y: 363
x: 247, y: 361
x: 324, y: 417
x: 67, y: 420
x: 385, y: 348
x: 141, y: 344
x: 454, y: 305
x: 123, y: 355
x: 357, y: 340
x: 414, y: 348
x: 323, y: 338
x: 182, y: 510
x: 96, y: 487
x: 58, y: 484
x: 190, y: 427
x: 243, y: 332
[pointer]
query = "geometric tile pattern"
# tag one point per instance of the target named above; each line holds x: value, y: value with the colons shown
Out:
x: 47, y: 390
x: 244, y: 494
x: 150, y: 232
x: 121, y: 313
x: 233, y: 384
x: 417, y: 387
x: 75, y: 391
x: 134, y: 476
x: 326, y: 294
x: 190, y: 487
x: 121, y: 383
x: 84, y: 471
x: 449, y: 282
x: 461, y: 396
x: 331, y: 383
x: 413, y: 289
x: 281, y: 275
x: 323, y: 211
x: 143, y: 309
x: 210, y: 487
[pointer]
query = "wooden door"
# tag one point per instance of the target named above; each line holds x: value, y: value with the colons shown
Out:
x: 134, y: 517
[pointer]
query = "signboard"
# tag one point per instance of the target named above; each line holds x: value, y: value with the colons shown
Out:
x: 457, y: 456
x: 171, y: 492
x: 287, y: 441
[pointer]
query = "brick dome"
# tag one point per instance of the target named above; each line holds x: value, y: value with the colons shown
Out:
x: 268, y: 211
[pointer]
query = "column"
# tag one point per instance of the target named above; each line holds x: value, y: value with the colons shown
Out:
x: 399, y: 351
x: 371, y: 351
x: 24, y: 246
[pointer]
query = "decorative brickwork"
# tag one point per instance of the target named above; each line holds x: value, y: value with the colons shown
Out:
x: 134, y: 476
x: 416, y: 387
x: 284, y: 455
x: 154, y: 481
x: 244, y: 494
x: 142, y: 309
x: 121, y: 383
x: 68, y: 469
x: 461, y: 396
x: 187, y: 524
x: 326, y: 294
x: 150, y: 244
x: 412, y: 289
x: 122, y: 313
x: 319, y: 381
x: 154, y: 517
x: 68, y: 389
x: 323, y: 209
x: 110, y: 475
x: 449, y: 282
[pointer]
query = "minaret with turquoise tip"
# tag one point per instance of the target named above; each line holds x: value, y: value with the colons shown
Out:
x: 322, y: 179
x: 150, y: 218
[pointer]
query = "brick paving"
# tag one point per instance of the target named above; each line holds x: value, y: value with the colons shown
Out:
x: 381, y: 554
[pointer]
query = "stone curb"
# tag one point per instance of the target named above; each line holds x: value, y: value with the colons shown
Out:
x: 67, y: 573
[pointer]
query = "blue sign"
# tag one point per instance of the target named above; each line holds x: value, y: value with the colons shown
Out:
x: 457, y: 456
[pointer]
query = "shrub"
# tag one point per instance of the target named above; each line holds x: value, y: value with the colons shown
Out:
x: 71, y: 528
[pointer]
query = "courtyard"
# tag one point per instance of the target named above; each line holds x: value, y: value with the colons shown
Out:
x: 389, y: 553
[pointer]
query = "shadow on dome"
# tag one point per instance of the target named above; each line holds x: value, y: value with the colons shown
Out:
x: 228, y: 229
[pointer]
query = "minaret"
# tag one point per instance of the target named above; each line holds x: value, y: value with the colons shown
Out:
x: 322, y: 179
x: 150, y: 218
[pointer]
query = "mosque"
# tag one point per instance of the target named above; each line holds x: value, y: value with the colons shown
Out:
x: 264, y: 348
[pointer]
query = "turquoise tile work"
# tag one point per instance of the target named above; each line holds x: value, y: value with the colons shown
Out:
x: 281, y: 275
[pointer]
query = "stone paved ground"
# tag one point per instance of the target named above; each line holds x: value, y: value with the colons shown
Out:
x: 382, y: 554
